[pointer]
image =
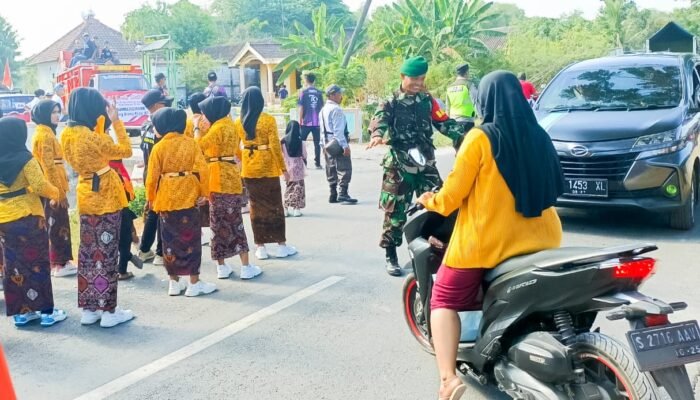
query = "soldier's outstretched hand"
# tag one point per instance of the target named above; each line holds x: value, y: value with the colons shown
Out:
x: 374, y: 142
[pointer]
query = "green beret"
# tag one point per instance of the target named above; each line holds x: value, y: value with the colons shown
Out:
x: 415, y: 66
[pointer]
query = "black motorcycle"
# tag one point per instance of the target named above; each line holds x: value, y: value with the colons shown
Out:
x: 534, y: 338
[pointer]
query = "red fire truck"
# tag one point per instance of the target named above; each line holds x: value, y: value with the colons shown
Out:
x: 122, y: 84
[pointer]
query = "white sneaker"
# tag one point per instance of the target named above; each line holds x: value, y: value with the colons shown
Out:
x: 90, y: 317
x: 147, y: 256
x: 199, y: 288
x: 119, y: 316
x: 250, y: 271
x: 261, y: 253
x: 68, y: 270
x: 175, y: 288
x: 296, y: 213
x: 287, y: 213
x: 224, y: 271
x: 158, y: 260
x: 285, y: 251
x: 205, y: 236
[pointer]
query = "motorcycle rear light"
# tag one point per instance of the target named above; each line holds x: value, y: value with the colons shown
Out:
x: 656, y: 320
x: 636, y: 269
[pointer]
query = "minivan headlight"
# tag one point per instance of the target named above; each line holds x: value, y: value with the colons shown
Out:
x: 662, y: 139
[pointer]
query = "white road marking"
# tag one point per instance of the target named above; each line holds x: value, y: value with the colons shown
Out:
x: 197, y: 346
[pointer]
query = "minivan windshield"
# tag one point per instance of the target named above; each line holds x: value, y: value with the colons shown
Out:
x: 121, y: 82
x: 614, y: 88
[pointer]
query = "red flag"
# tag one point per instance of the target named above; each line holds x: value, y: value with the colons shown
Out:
x: 7, y: 76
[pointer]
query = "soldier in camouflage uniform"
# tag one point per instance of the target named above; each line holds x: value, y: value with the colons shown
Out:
x: 405, y: 122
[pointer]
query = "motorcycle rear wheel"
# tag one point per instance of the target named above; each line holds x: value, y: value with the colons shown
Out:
x: 414, y: 313
x: 610, y: 365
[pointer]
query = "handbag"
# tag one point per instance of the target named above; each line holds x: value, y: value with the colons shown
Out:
x: 332, y: 147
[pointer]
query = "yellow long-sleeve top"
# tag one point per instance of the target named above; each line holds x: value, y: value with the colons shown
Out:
x: 32, y: 178
x: 221, y: 140
x: 267, y: 162
x: 89, y: 152
x: 176, y: 153
x: 47, y: 151
x: 488, y: 229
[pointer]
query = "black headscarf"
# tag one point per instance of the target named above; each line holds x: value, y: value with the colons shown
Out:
x: 41, y: 113
x: 168, y: 119
x: 13, y: 149
x: 292, y: 139
x: 215, y: 108
x: 523, y: 150
x: 195, y: 99
x: 85, y: 106
x: 252, y: 105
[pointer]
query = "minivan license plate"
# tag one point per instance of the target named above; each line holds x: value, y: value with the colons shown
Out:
x: 666, y: 346
x: 586, y: 187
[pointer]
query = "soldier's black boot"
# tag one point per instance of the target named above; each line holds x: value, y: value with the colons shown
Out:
x: 345, y: 198
x: 392, y: 262
x: 334, y: 196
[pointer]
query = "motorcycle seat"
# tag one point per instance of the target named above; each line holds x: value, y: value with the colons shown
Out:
x: 553, y: 256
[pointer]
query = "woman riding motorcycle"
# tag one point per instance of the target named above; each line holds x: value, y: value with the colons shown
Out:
x: 505, y: 182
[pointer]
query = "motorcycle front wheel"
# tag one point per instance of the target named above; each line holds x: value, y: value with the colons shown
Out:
x: 414, y: 313
x: 611, y: 366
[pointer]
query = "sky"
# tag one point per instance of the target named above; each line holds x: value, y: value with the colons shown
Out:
x: 37, y: 30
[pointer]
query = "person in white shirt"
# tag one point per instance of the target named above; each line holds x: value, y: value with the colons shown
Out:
x: 334, y: 126
x: 58, y: 92
x: 38, y: 96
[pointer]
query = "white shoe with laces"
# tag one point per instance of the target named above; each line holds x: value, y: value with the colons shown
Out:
x: 285, y: 250
x: 175, y: 288
x: 223, y: 271
x: 199, y: 288
x: 158, y: 260
x: 261, y: 253
x: 90, y: 317
x: 119, y: 316
x: 250, y: 271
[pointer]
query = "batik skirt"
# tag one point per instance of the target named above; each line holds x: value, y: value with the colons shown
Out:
x: 295, y: 195
x: 27, y: 272
x: 226, y: 222
x: 60, y: 246
x: 181, y: 234
x: 266, y: 210
x: 98, y: 261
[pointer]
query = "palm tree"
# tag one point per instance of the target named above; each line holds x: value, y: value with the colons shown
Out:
x: 326, y: 45
x: 439, y: 30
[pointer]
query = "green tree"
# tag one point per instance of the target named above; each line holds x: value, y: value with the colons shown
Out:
x: 439, y: 30
x: 688, y: 18
x: 505, y: 14
x: 280, y: 15
x: 9, y: 43
x: 324, y: 46
x: 194, y: 67
x: 189, y: 25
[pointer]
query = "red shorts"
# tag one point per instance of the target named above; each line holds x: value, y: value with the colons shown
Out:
x: 457, y: 289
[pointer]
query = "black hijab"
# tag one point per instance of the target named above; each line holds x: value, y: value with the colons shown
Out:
x: 252, y: 105
x: 85, y: 106
x: 292, y: 139
x: 41, y: 113
x: 168, y: 119
x: 195, y: 99
x: 13, y: 149
x: 523, y: 150
x: 215, y: 108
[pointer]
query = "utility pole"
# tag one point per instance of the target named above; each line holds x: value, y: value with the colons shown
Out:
x: 356, y: 33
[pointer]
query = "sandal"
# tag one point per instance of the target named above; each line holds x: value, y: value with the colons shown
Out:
x: 457, y: 391
x: 124, y: 277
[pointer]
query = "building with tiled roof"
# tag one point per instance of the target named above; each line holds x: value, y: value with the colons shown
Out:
x: 48, y: 61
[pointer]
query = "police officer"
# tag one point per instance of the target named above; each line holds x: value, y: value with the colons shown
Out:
x: 459, y: 102
x: 405, y: 123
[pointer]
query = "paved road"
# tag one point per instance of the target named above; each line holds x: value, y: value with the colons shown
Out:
x: 326, y: 324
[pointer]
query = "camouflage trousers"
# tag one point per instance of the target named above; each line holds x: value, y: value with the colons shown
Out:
x: 398, y: 189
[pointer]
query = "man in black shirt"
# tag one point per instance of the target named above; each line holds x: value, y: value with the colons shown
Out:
x: 106, y: 54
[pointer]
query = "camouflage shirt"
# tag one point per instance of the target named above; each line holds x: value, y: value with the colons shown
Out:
x: 407, y: 121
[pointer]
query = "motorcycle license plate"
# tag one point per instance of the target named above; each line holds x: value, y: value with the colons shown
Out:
x: 586, y: 187
x: 666, y: 346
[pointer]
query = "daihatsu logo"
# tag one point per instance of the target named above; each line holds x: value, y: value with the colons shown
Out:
x: 579, y: 151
